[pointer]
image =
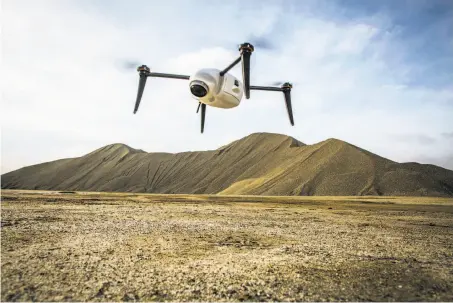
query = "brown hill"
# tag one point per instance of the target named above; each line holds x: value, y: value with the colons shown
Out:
x: 259, y: 164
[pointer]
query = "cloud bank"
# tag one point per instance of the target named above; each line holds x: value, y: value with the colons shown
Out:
x: 376, y: 75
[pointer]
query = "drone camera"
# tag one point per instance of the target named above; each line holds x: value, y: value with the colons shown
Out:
x: 199, y: 88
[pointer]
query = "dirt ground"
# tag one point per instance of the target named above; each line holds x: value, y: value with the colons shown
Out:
x: 136, y: 247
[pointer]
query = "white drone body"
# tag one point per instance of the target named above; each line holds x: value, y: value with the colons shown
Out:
x: 208, y: 87
x: 217, y: 88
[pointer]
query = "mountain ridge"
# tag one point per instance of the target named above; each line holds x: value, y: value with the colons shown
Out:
x: 258, y: 164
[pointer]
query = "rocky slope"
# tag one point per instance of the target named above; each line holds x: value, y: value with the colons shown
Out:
x: 259, y: 164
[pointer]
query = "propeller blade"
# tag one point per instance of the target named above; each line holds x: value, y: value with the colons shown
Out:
x: 262, y: 42
x: 246, y: 51
x: 199, y: 103
x: 203, y: 115
x: 287, y: 92
x: 279, y: 83
x: 141, y: 88
x: 129, y: 65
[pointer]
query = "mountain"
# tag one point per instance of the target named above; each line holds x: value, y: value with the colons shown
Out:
x: 259, y: 164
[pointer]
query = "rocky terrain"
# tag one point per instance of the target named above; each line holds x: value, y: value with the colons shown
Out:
x: 145, y: 247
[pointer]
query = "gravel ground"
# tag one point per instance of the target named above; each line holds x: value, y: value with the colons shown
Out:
x: 135, y: 247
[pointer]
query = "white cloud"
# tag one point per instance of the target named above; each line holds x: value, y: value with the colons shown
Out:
x: 64, y: 94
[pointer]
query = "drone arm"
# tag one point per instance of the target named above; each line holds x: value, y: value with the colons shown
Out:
x: 268, y: 88
x: 286, y: 89
x: 222, y: 73
x: 172, y: 76
x: 144, y: 73
x: 246, y: 50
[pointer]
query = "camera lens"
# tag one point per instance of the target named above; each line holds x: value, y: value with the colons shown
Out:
x: 198, y: 89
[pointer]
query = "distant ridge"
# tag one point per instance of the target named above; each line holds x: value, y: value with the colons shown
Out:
x: 258, y: 164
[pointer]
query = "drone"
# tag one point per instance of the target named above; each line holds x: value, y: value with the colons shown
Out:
x: 218, y: 88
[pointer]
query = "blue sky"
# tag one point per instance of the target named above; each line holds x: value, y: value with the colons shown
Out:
x: 377, y: 74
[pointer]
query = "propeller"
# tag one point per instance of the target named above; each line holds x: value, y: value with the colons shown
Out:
x: 261, y: 42
x: 246, y: 50
x: 143, y: 72
x: 203, y: 115
x: 287, y: 92
x: 280, y: 83
x: 127, y: 65
x: 130, y: 64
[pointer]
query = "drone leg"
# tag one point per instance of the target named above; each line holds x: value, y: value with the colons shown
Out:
x: 286, y: 89
x: 198, y: 108
x: 203, y: 115
x: 246, y: 50
x: 289, y: 108
x: 144, y: 72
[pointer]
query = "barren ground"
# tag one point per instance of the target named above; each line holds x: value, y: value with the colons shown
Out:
x: 110, y: 247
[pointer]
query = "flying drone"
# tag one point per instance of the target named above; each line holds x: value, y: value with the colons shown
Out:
x: 217, y: 88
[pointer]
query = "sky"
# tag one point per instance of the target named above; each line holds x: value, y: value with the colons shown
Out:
x: 377, y: 74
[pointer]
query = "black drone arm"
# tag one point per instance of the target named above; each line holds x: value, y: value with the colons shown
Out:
x: 172, y: 76
x: 222, y: 73
x: 246, y: 50
x: 286, y: 89
x: 268, y: 88
x: 144, y: 73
